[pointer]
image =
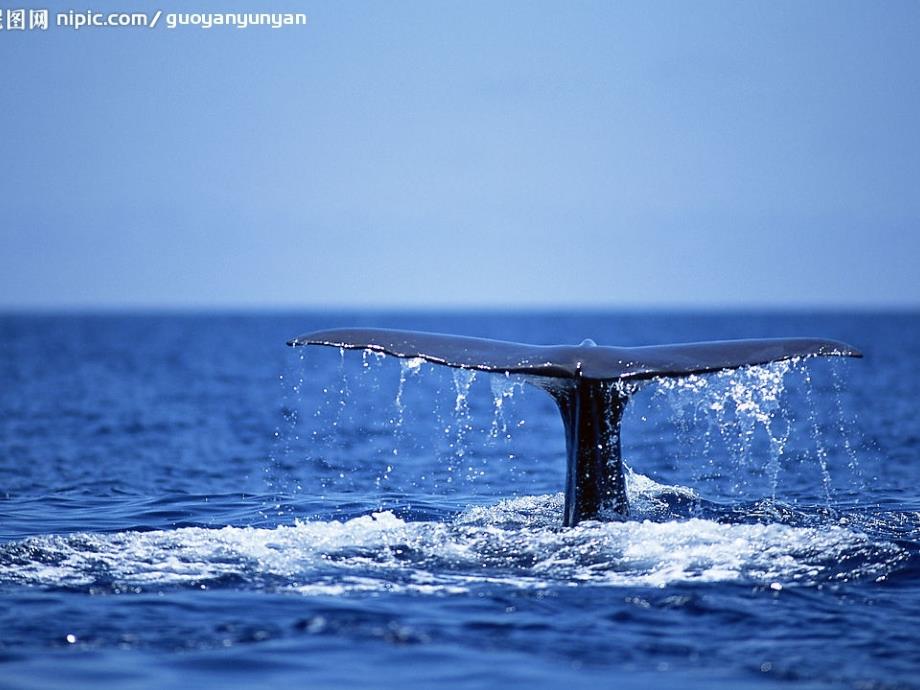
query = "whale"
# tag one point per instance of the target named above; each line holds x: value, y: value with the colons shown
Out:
x: 590, y: 383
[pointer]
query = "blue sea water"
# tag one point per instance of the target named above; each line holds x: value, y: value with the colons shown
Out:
x: 187, y: 502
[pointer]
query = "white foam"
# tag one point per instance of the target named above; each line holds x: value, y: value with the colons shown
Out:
x: 516, y: 543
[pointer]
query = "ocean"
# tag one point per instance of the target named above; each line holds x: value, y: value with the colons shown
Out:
x: 187, y: 502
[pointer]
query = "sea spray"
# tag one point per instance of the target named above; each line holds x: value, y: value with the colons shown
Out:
x: 742, y: 402
x: 820, y: 448
x: 462, y: 421
x: 843, y: 428
x: 742, y: 411
x: 343, y: 389
x: 286, y: 435
x: 407, y: 368
x: 503, y: 390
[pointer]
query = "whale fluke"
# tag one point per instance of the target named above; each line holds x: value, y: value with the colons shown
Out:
x: 586, y: 382
x: 590, y: 361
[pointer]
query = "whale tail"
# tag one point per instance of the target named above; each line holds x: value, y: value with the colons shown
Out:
x: 590, y: 384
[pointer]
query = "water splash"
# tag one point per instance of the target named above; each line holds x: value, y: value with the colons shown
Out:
x: 779, y: 431
x: 516, y: 543
x: 614, y: 393
x: 842, y: 428
x: 371, y: 358
x: 462, y: 421
x: 285, y: 436
x: 820, y: 448
x: 344, y: 392
x: 503, y: 390
x: 407, y: 368
x: 743, y: 402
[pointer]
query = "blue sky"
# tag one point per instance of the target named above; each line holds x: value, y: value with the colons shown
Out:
x: 427, y: 154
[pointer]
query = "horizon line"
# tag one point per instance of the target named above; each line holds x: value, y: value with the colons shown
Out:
x: 455, y: 308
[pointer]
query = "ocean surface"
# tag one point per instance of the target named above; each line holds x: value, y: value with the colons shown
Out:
x: 187, y: 502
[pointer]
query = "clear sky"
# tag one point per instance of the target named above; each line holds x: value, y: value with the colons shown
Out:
x: 427, y: 153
